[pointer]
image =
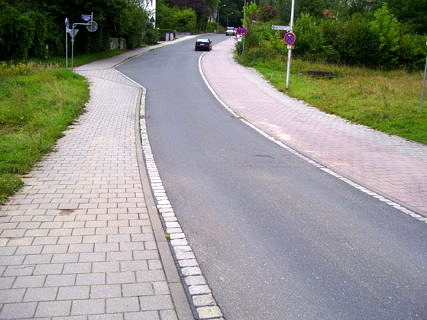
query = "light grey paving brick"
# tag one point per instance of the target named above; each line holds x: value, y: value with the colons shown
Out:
x: 11, y: 260
x: 143, y: 315
x: 45, y: 240
x: 130, y: 246
x: 12, y: 233
x: 6, y: 283
x: 65, y: 257
x: 37, y: 233
x: 73, y: 293
x: 52, y: 268
x: 91, y: 278
x: 51, y: 225
x: 161, y: 287
x: 60, y: 280
x: 60, y: 232
x: 110, y: 316
x: 83, y: 231
x: 154, y: 264
x: 29, y: 281
x: 142, y: 237
x: 118, y: 238
x: 119, y: 256
x: 150, y: 276
x: 110, y: 266
x: 18, y: 271
x: 27, y: 241
x: 150, y: 245
x: 128, y: 304
x: 53, y: 308
x: 107, y: 230
x: 137, y: 289
x: 18, y: 310
x: 79, y: 267
x: 28, y: 250
x: 120, y: 277
x: 11, y: 295
x: 81, y: 247
x: 40, y: 294
x: 68, y: 318
x: 135, y: 265
x: 100, y: 238
x: 96, y: 224
x: 57, y: 248
x: 70, y: 239
x: 38, y: 258
x: 106, y: 247
x: 92, y: 257
x: 156, y: 302
x: 145, y: 254
x: 168, y: 315
x: 119, y: 223
x: 130, y: 230
x: 106, y: 291
x: 7, y: 251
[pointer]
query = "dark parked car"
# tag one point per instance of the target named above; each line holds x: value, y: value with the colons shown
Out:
x: 203, y: 44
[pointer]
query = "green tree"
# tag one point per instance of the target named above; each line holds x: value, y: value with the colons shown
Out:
x: 387, y: 29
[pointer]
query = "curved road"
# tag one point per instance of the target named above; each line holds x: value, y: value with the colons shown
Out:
x: 276, y: 237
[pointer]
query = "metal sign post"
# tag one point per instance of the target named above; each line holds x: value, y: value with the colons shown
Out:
x: 67, y: 28
x: 91, y: 26
x: 291, y: 26
x: 424, y: 85
x: 73, y: 33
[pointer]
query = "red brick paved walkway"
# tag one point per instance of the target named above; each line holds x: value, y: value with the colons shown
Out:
x: 389, y: 165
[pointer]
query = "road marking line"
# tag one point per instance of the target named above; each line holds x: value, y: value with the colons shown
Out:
x: 307, y: 159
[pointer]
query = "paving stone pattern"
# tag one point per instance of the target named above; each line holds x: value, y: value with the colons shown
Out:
x: 389, y: 165
x: 77, y: 242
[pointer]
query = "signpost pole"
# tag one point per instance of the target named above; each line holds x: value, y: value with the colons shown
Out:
x: 66, y: 49
x: 72, y: 52
x: 291, y: 25
x: 66, y: 42
x: 423, y: 87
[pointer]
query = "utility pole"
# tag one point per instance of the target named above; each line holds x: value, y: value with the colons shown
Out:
x: 291, y: 25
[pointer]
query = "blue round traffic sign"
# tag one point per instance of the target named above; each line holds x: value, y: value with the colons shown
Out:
x: 289, y: 38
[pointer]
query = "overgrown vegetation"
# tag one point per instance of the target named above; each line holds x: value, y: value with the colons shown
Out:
x: 35, y: 29
x: 376, y: 60
x: 37, y: 102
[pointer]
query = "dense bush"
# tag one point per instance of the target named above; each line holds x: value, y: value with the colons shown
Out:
x: 32, y: 28
x: 181, y: 20
x: 376, y: 40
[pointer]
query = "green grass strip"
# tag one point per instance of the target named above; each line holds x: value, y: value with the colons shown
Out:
x: 37, y: 103
x: 387, y: 101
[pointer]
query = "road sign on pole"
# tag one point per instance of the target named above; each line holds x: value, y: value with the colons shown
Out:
x: 285, y: 28
x: 289, y: 38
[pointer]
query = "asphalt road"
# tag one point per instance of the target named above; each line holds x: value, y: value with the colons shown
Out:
x: 276, y: 237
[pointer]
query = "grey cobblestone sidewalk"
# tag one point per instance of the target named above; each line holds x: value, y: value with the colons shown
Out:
x: 77, y: 242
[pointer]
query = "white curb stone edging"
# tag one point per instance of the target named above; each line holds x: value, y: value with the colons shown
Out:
x: 194, y: 281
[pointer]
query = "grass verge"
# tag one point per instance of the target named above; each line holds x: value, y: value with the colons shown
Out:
x: 37, y: 103
x: 387, y: 101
